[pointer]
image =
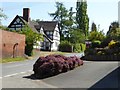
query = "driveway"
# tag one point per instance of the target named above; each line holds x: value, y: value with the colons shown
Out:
x: 90, y: 75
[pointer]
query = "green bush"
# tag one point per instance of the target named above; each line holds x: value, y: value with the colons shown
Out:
x: 79, y: 47
x: 96, y: 43
x: 29, y: 49
x: 31, y: 39
x: 90, y: 51
x: 83, y: 47
x: 65, y: 46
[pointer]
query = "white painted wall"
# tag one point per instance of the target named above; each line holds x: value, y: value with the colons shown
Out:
x: 56, y: 39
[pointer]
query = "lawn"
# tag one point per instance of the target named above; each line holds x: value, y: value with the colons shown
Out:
x: 45, y: 53
x: 35, y: 53
x: 6, y: 60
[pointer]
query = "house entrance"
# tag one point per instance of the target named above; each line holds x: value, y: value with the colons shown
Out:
x: 15, y: 52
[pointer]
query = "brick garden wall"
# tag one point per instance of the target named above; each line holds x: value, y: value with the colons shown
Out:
x: 12, y: 44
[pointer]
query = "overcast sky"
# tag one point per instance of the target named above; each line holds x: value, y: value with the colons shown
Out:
x: 101, y: 12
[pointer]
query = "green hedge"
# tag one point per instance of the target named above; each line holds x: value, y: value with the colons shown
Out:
x: 65, y: 46
x: 79, y: 47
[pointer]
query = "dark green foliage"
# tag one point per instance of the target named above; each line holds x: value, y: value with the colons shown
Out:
x: 96, y: 35
x: 112, y: 34
x: 82, y: 19
x: 31, y: 39
x: 112, y: 28
x: 96, y: 44
x: 65, y: 19
x: 4, y: 28
x: 76, y: 36
x: 65, y: 46
x: 60, y: 15
x: 29, y: 49
x: 93, y: 27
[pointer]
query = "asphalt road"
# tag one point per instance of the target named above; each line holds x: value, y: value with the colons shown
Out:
x: 17, y: 67
x: 9, y: 69
x: 91, y: 74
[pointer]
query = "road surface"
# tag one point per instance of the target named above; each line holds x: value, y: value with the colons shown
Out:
x: 23, y: 66
x: 91, y: 74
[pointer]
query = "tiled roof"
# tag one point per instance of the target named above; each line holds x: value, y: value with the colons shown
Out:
x: 31, y: 24
x: 47, y: 25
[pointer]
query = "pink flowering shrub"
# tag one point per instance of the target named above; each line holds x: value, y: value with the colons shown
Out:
x: 55, y: 64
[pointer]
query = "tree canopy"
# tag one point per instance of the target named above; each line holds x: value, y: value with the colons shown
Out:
x: 93, y: 27
x: 112, y: 28
x: 31, y: 39
x: 64, y: 17
x: 82, y: 19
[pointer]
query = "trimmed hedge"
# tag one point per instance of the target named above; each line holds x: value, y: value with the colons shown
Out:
x: 65, y: 46
x: 54, y: 64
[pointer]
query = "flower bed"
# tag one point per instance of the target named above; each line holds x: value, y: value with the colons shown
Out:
x: 54, y: 64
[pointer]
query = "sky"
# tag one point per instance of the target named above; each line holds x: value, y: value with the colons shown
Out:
x: 102, y: 12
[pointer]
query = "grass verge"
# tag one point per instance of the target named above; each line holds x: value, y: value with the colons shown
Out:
x: 6, y: 60
x: 44, y: 53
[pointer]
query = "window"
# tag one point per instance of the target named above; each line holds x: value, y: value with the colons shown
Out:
x: 51, y: 33
x: 47, y: 33
x: 12, y: 25
x: 15, y: 22
x: 42, y: 44
x: 18, y: 25
x: 51, y: 37
x: 56, y: 33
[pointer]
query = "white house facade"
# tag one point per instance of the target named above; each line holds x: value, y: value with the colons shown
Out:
x: 49, y: 29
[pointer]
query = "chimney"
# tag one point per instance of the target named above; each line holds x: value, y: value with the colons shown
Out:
x: 26, y: 14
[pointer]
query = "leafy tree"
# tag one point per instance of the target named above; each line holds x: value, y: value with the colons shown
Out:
x: 70, y: 20
x: 31, y: 39
x: 76, y: 36
x: 2, y: 15
x: 96, y: 35
x: 93, y: 27
x: 60, y: 15
x: 82, y: 19
x: 114, y: 35
x: 112, y: 28
x: 65, y: 19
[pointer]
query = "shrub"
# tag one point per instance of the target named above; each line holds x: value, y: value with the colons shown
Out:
x: 65, y: 46
x: 96, y: 43
x: 54, y: 64
x: 79, y: 47
x: 112, y: 44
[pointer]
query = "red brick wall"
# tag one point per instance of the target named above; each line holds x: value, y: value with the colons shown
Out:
x: 13, y: 44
